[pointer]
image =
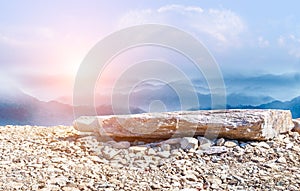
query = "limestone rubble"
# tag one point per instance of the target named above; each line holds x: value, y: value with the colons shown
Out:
x: 62, y: 158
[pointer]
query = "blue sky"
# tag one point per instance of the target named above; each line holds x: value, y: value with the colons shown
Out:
x: 42, y: 43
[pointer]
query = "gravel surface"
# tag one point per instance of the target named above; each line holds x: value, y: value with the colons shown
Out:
x: 61, y: 158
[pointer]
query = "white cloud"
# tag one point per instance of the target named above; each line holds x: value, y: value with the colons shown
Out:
x: 220, y: 29
x: 281, y: 41
x: 291, y: 43
x: 25, y: 36
x: 44, y: 32
x: 263, y: 43
x: 7, y: 40
x: 180, y: 8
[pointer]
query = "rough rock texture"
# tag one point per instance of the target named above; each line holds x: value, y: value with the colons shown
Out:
x: 233, y: 124
x: 189, y: 143
x: 297, y: 125
x: 61, y: 158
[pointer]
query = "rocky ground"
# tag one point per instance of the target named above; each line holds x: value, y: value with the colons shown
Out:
x: 61, y: 158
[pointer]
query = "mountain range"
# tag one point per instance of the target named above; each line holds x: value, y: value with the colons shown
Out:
x: 293, y: 106
x: 18, y: 108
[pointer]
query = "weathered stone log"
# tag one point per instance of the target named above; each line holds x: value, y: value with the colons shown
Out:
x: 232, y: 124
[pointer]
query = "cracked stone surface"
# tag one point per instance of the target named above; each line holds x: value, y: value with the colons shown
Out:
x: 233, y: 124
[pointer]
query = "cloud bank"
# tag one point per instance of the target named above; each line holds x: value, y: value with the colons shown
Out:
x: 220, y: 29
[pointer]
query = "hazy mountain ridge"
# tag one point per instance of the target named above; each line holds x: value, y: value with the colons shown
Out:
x: 35, y: 112
x: 18, y: 108
x: 293, y: 105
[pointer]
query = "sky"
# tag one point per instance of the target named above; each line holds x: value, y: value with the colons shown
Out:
x: 43, y: 43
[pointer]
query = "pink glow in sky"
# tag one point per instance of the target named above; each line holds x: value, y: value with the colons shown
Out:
x: 43, y: 43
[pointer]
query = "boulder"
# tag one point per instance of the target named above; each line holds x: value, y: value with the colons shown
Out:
x: 151, y: 127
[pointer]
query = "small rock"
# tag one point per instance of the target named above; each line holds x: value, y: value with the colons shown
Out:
x: 289, y: 145
x: 189, y: 189
x: 176, y: 152
x: 204, y: 143
x: 95, y: 159
x: 16, y: 185
x: 151, y: 151
x: 192, y: 150
x: 50, y: 187
x: 281, y: 160
x: 286, y: 140
x: 254, y: 144
x: 187, y: 143
x: 135, y: 149
x: 296, y: 148
x: 67, y: 188
x: 58, y: 160
x: 220, y: 142
x: 141, y: 163
x: 165, y: 147
x: 295, y: 135
x: 205, y: 146
x: 296, y: 125
x: 215, y: 159
x: 203, y: 140
x: 61, y: 181
x: 155, y: 186
x: 270, y: 165
x: 164, y: 154
x: 213, y: 150
x: 243, y: 144
x: 257, y: 159
x: 240, y: 179
x: 230, y: 144
x: 190, y: 177
x: 176, y: 184
x: 264, y: 145
x: 214, y: 180
x: 115, y: 164
x: 109, y: 153
x: 88, y: 139
x: 121, y: 145
x: 214, y: 186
